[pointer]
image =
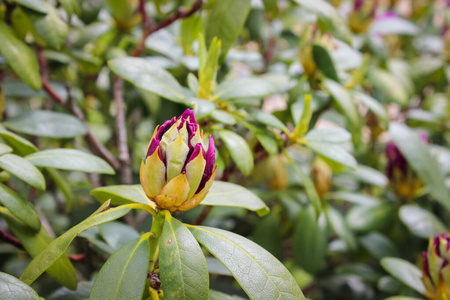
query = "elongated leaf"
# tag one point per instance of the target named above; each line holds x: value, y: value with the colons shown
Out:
x: 303, y: 123
x: 373, y: 105
x: 330, y: 16
x: 57, y: 248
x: 309, y: 241
x: 379, y: 245
x: 63, y: 186
x: 328, y: 135
x: 22, y: 169
x: 36, y: 5
x: 19, y: 207
x: 334, y: 153
x: 35, y: 242
x: 70, y: 159
x: 124, y: 274
x: 51, y: 28
x: 117, y: 234
x: 360, y: 199
x: 23, y: 146
x: 249, y: 87
x: 239, y: 150
x: 309, y: 188
x: 267, y: 118
x: 259, y: 273
x: 121, y: 194
x: 229, y: 194
x: 368, y: 175
x: 225, y: 20
x: 404, y: 271
x: 47, y: 124
x: 340, y: 227
x: 19, y: 57
x: 324, y: 62
x: 421, y: 222
x: 421, y: 161
x: 184, y: 273
x: 13, y: 288
x: 5, y: 149
x: 215, y: 295
x: 370, y: 218
x: 268, y: 234
x: 345, y: 102
x: 148, y: 76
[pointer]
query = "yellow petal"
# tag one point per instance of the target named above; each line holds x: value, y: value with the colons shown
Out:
x: 143, y: 180
x: 176, y: 153
x: 194, y: 172
x: 155, y: 174
x: 174, y: 193
x: 194, y: 201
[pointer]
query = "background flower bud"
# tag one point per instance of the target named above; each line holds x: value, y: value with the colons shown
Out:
x: 362, y: 15
x: 321, y: 176
x: 436, y: 269
x: 177, y: 172
x: 402, y: 179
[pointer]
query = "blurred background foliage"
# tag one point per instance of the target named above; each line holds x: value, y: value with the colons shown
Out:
x: 335, y: 113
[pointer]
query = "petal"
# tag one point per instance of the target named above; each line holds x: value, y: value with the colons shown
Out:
x: 210, y: 161
x: 154, y: 143
x: 174, y: 193
x: 196, y: 139
x: 194, y: 169
x: 176, y: 154
x: 155, y: 173
x: 164, y: 128
x: 169, y: 136
x: 198, y: 198
x: 143, y: 180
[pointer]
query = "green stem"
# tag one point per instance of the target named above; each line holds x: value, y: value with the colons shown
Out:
x: 157, y: 226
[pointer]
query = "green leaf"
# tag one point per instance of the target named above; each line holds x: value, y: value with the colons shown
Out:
x: 250, y: 87
x: 117, y: 234
x: 392, y: 26
x: 70, y: 159
x: 36, y: 5
x: 389, y: 87
x: 344, y: 102
x: 324, y: 62
x: 421, y: 222
x: 248, y: 263
x: 302, y: 125
x: 184, y: 273
x: 215, y: 295
x: 19, y: 207
x: 239, y: 150
x: 271, y: 6
x: 23, y: 170
x: 309, y: 188
x: 223, y: 117
x: 328, y: 135
x: 57, y: 248
x: 268, y: 234
x: 373, y: 105
x: 121, y: 194
x: 47, y: 124
x: 335, y: 23
x: 19, y: 57
x: 340, y: 227
x: 225, y: 20
x: 202, y: 107
x: 125, y: 273
x: 5, y: 149
x: 81, y: 293
x: 148, y: 76
x: 224, y: 193
x: 421, y: 161
x: 268, y: 142
x: 71, y: 7
x: 267, y: 118
x: 331, y: 152
x: 379, y: 245
x: 13, y: 288
x: 404, y: 271
x: 63, y: 185
x: 368, y: 175
x: 34, y: 243
x: 309, y: 241
x: 360, y: 199
x: 50, y: 27
x: 23, y: 146
x: 189, y: 31
x: 370, y: 218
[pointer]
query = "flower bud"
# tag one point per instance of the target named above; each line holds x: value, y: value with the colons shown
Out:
x: 309, y: 37
x: 362, y: 15
x: 402, y: 179
x: 321, y: 176
x: 275, y: 172
x: 177, y: 172
x: 436, y: 269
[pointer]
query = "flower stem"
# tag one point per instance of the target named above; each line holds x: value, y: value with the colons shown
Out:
x: 155, y: 234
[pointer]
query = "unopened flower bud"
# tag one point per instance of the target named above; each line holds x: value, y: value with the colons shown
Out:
x: 362, y: 15
x: 275, y: 172
x: 436, y: 269
x: 321, y: 176
x: 177, y: 172
x: 402, y: 179
x: 309, y: 37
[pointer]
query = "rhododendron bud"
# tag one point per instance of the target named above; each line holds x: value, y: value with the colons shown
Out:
x: 402, y: 179
x: 362, y: 15
x: 310, y: 36
x: 321, y: 176
x: 436, y: 269
x: 177, y: 172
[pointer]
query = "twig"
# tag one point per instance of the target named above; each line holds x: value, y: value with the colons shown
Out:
x: 53, y: 94
x: 124, y: 155
x: 77, y: 257
x: 10, y: 239
x: 149, y: 28
x: 45, y: 74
